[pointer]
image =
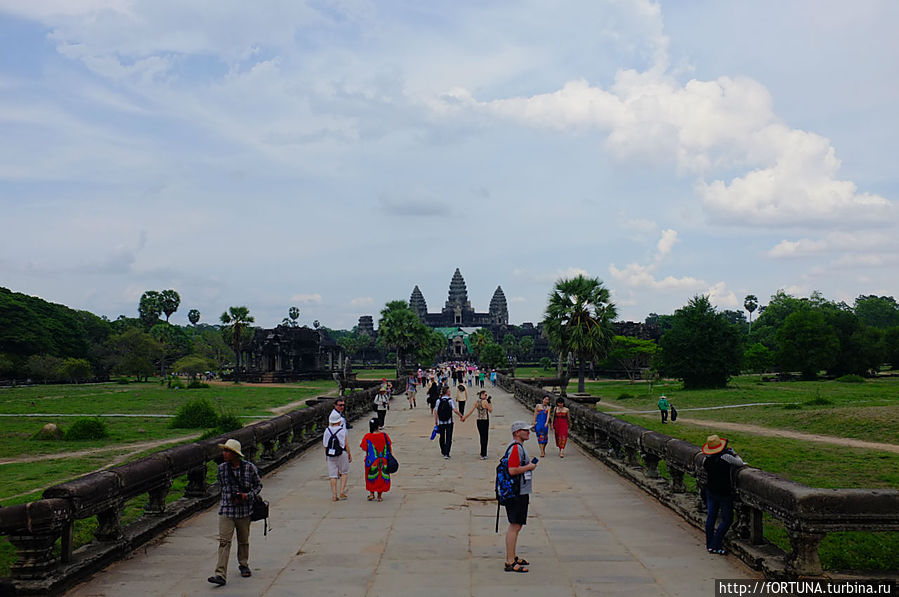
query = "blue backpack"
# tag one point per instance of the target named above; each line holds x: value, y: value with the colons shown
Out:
x: 507, y: 486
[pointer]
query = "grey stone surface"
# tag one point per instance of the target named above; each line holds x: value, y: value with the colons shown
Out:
x: 589, y: 532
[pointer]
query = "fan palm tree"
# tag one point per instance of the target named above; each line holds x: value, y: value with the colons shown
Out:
x: 400, y: 329
x: 578, y: 321
x: 237, y: 321
x: 750, y: 303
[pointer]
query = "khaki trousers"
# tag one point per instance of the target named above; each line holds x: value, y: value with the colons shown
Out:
x: 227, y: 526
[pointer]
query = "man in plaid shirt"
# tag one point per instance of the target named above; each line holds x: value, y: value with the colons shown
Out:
x: 240, y: 483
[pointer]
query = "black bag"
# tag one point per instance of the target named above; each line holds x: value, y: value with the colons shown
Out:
x: 333, y: 448
x: 392, y: 464
x: 444, y: 410
x: 260, y: 506
x: 673, y: 414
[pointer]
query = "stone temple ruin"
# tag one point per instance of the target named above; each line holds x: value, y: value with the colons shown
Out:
x: 457, y: 311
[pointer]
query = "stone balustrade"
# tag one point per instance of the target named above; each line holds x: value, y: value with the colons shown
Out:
x: 35, y: 528
x: 807, y: 513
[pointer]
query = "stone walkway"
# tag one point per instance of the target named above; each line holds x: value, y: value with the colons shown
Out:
x: 589, y: 532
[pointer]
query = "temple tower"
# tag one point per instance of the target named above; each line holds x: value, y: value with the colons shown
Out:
x: 499, y: 311
x: 457, y: 309
x: 418, y: 305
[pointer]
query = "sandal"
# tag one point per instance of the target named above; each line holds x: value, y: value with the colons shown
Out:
x: 245, y: 571
x: 522, y: 561
x: 515, y: 567
x: 343, y: 496
x: 380, y: 499
x: 370, y: 498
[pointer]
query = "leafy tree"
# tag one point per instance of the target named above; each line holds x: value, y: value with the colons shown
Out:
x: 294, y: 314
x: 7, y: 367
x: 33, y: 326
x: 493, y: 355
x: 43, y: 367
x: 132, y: 353
x: 75, y: 370
x: 192, y: 365
x: 702, y: 348
x: 150, y: 308
x: 807, y: 343
x: 237, y: 322
x: 891, y: 346
x: 510, y: 345
x: 869, y: 350
x: 758, y: 358
x: 632, y: 354
x: 480, y: 338
x: 736, y: 318
x: 169, y: 301
x: 193, y: 316
x: 432, y: 348
x: 400, y: 329
x: 525, y: 346
x: 877, y: 311
x: 578, y: 320
x: 663, y: 321
x: 546, y: 363
x: 208, y: 342
x: 750, y: 303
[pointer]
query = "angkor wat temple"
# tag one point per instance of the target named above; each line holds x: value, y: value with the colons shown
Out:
x: 457, y: 311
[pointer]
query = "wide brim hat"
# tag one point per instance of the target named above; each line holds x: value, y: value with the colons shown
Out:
x: 334, y: 418
x: 714, y: 445
x: 232, y: 445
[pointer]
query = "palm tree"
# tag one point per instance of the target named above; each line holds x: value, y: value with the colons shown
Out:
x: 193, y: 316
x: 578, y: 321
x: 237, y: 320
x: 400, y: 329
x: 750, y: 303
x: 169, y: 301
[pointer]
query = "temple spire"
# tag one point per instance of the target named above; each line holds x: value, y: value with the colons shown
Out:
x: 499, y: 311
x: 417, y: 304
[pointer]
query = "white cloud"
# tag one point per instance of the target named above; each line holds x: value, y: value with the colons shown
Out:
x: 801, y: 248
x: 635, y: 275
x: 362, y: 301
x: 666, y: 243
x: 306, y: 298
x: 720, y: 296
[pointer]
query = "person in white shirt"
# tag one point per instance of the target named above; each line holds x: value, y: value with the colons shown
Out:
x: 338, y: 464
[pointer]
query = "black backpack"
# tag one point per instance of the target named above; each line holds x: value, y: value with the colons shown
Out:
x: 444, y: 410
x: 334, y: 448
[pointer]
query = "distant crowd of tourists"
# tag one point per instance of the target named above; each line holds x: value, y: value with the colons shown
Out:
x: 446, y: 388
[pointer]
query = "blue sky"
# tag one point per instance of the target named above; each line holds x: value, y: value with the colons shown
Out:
x: 331, y: 155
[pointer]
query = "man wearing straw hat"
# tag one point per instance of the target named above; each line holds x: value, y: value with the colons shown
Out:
x: 240, y: 484
x: 719, y: 464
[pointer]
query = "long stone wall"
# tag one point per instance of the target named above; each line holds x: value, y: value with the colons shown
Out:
x: 35, y: 528
x: 807, y: 513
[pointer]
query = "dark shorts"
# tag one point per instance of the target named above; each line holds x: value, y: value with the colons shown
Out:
x: 517, y: 509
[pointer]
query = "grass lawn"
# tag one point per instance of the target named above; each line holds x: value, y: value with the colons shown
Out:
x: 390, y: 374
x: 867, y: 411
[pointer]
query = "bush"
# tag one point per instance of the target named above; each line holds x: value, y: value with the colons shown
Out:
x: 229, y: 422
x: 196, y: 384
x: 124, y: 381
x: 196, y: 414
x: 818, y: 402
x: 624, y: 396
x: 175, y: 383
x: 851, y: 378
x: 84, y: 429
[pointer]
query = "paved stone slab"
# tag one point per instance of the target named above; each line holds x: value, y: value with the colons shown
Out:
x: 589, y: 532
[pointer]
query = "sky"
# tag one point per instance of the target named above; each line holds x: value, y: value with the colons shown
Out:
x: 331, y: 155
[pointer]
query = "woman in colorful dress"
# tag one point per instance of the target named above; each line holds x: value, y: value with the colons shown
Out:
x: 559, y: 424
x: 541, y: 424
x: 375, y: 443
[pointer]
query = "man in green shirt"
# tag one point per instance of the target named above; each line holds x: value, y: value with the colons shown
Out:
x: 663, y: 406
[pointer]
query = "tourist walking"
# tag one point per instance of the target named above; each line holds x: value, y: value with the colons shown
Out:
x: 337, y: 455
x: 461, y: 397
x: 240, y: 484
x: 376, y: 445
x: 482, y: 375
x: 443, y: 418
x: 493, y: 377
x: 433, y: 394
x: 663, y: 405
x: 517, y: 507
x: 719, y: 465
x: 382, y: 403
x: 541, y: 424
x: 411, y: 391
x: 483, y: 405
x: 559, y: 424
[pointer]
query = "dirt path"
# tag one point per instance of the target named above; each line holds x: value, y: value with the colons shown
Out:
x: 773, y: 432
x: 131, y: 448
x: 286, y: 408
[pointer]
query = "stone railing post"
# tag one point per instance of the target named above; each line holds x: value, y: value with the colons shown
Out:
x: 652, y: 465
x: 109, y: 523
x: 156, y: 502
x: 268, y: 449
x: 196, y: 482
x: 677, y: 479
x: 804, y: 558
